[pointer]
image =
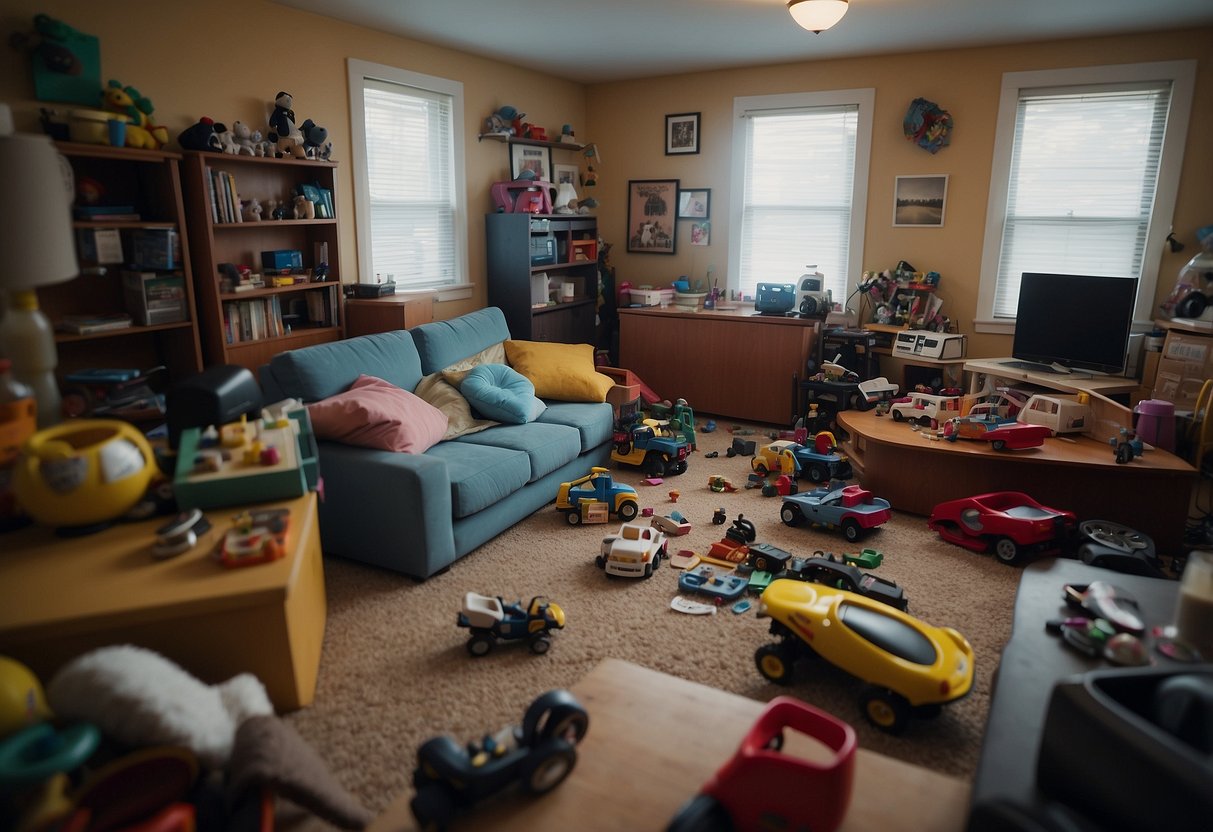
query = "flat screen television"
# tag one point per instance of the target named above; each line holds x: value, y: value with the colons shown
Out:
x: 1070, y: 322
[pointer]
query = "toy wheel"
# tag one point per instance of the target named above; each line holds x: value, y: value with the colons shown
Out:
x: 549, y: 766
x: 540, y: 645
x: 558, y: 714
x: 1007, y: 551
x: 654, y: 465
x: 790, y: 515
x: 760, y: 468
x: 897, y: 417
x: 851, y: 530
x: 818, y: 473
x: 481, y: 644
x: 433, y: 808
x: 573, y: 517
x: 648, y: 570
x: 677, y: 468
x: 702, y: 813
x: 998, y: 444
x: 1118, y: 537
x: 600, y: 561
x: 774, y: 662
x: 888, y: 711
x: 628, y: 511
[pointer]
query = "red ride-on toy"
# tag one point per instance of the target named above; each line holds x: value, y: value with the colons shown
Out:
x: 1008, y: 523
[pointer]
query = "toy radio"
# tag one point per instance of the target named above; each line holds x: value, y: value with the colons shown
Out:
x: 775, y: 298
x: 924, y: 344
x: 811, y: 300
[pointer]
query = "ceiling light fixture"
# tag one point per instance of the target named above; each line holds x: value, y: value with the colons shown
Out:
x: 817, y: 15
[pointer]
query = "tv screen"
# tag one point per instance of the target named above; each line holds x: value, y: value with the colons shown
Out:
x: 1077, y: 321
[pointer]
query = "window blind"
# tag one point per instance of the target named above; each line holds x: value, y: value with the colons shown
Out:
x: 799, y: 174
x: 409, y: 151
x: 1083, y: 176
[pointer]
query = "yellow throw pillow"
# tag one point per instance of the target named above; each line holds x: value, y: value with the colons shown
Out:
x: 564, y: 372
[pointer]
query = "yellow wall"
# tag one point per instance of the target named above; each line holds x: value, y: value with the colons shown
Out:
x: 627, y: 121
x: 227, y: 58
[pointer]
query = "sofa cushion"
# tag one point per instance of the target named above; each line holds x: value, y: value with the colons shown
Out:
x: 492, y: 354
x: 480, y: 474
x: 322, y: 370
x: 442, y: 343
x: 446, y: 397
x: 376, y: 414
x: 595, y: 423
x: 547, y: 446
x: 564, y: 372
x: 499, y: 393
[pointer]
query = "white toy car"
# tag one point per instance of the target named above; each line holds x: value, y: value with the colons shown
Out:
x: 632, y: 553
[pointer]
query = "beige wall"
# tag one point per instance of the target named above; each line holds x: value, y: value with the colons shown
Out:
x: 228, y: 58
x: 627, y: 122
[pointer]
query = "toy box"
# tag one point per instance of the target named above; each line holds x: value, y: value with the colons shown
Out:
x: 155, y: 297
x: 282, y: 259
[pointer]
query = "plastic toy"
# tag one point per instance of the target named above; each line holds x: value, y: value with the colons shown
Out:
x: 825, y: 570
x: 585, y: 499
x: 199, y: 136
x: 781, y: 486
x: 1000, y: 433
x: 926, y: 409
x: 284, y: 135
x: 719, y: 484
x: 875, y: 390
x: 742, y: 447
x: 538, y: 754
x: 767, y: 558
x: 140, y: 131
x: 733, y: 548
x: 819, y: 463
x: 849, y: 507
x: 1120, y: 548
x: 255, y: 537
x: 704, y: 580
x: 316, y: 142
x: 490, y: 618
x: 761, y: 787
x: 500, y: 122
x: 652, y: 447
x: 1061, y: 414
x: 672, y: 524
x: 688, y: 607
x: 719, y: 516
x: 1008, y: 523
x: 634, y: 552
x: 911, y: 667
x: 1126, y: 446
x: 867, y: 559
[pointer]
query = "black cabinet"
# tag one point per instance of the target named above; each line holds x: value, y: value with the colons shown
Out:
x: 543, y: 274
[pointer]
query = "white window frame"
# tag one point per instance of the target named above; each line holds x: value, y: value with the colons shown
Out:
x: 1182, y: 75
x: 865, y: 100
x: 359, y: 70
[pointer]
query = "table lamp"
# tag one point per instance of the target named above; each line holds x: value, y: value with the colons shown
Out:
x: 36, y: 249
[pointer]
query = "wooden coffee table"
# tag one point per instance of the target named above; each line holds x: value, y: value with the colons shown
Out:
x: 60, y: 597
x: 655, y: 739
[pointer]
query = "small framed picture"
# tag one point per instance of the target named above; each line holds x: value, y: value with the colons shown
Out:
x: 565, y: 175
x: 919, y: 201
x: 681, y: 134
x: 652, y: 215
x: 693, y: 204
x: 701, y: 233
x: 525, y: 157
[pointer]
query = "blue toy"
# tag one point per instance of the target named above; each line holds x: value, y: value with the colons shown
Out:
x: 491, y: 618
x: 704, y: 580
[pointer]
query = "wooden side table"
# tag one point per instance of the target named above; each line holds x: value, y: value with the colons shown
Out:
x: 365, y: 316
x: 60, y: 597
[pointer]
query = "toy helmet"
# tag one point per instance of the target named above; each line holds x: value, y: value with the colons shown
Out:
x: 22, y: 701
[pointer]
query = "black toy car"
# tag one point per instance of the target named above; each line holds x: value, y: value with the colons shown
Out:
x: 841, y: 575
x: 539, y: 754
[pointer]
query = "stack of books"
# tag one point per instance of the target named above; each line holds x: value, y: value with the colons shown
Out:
x: 92, y: 324
x: 106, y: 213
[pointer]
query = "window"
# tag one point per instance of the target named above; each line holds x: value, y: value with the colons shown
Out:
x: 407, y: 131
x: 800, y: 166
x: 1086, y: 166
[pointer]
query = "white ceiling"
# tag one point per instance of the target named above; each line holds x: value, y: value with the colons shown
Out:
x: 612, y: 40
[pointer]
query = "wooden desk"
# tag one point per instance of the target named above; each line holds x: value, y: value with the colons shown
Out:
x: 1150, y: 494
x: 366, y: 316
x: 60, y: 597
x: 728, y: 363
x: 654, y: 740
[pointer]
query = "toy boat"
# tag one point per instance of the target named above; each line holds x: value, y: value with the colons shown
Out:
x: 704, y: 580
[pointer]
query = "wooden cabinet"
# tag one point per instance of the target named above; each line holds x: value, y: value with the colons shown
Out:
x: 138, y: 183
x: 365, y: 316
x: 529, y: 256
x: 248, y: 328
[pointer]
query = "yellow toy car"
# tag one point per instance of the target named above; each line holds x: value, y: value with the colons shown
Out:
x: 911, y: 667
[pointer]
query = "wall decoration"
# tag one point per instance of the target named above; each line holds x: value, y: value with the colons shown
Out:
x: 681, y: 134
x: 701, y: 233
x: 531, y: 159
x: 66, y: 64
x: 652, y: 215
x: 565, y: 175
x: 919, y: 200
x: 927, y: 124
x: 694, y: 203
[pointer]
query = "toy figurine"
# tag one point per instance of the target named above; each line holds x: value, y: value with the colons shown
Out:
x: 140, y: 131
x: 284, y: 136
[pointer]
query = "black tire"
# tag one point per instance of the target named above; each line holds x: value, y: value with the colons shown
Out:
x: 730, y: 453
x: 573, y: 517
x: 548, y: 766
x: 760, y: 469
x: 679, y: 467
x: 555, y: 714
x: 897, y: 417
x: 648, y: 570
x: 481, y: 644
x: 998, y: 444
x: 790, y: 515
x: 628, y: 511
x: 653, y: 465
x: 774, y: 663
x: 888, y: 711
x: 600, y: 561
x: 851, y: 530
x: 1007, y: 551
x: 818, y: 473
x: 702, y: 813
x: 541, y: 644
x: 433, y: 808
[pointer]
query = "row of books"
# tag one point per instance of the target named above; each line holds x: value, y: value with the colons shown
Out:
x: 225, y: 199
x: 258, y: 318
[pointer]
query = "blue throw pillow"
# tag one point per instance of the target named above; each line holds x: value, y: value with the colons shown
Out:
x: 502, y: 394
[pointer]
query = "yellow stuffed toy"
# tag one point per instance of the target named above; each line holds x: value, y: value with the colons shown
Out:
x: 140, y: 131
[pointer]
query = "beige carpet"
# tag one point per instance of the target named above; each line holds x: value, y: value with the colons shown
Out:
x: 395, y: 670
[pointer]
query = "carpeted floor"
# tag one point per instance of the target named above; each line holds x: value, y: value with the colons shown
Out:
x: 395, y: 670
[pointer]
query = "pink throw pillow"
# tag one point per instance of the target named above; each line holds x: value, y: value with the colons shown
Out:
x: 376, y: 414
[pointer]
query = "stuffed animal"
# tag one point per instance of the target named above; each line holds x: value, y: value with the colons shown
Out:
x: 305, y: 209
x: 284, y: 135
x: 140, y: 131
x: 251, y: 210
x: 199, y: 136
x: 315, y: 140
x: 242, y: 137
x: 501, y: 121
x: 226, y: 140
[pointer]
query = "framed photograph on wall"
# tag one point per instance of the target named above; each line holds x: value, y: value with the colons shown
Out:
x: 652, y: 216
x: 919, y: 201
x: 681, y: 134
x: 566, y: 174
x: 693, y: 204
x: 701, y: 233
x: 528, y: 157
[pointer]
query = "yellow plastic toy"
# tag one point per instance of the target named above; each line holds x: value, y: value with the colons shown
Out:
x: 140, y: 131
x: 22, y: 702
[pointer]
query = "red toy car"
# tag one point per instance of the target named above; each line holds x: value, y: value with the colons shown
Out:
x: 999, y: 433
x: 1008, y: 523
x: 761, y: 788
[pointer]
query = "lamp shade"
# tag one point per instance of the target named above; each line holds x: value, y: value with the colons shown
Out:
x: 35, y: 214
x: 817, y: 15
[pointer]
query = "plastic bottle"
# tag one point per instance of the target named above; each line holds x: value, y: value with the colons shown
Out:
x: 27, y: 339
x: 18, y: 421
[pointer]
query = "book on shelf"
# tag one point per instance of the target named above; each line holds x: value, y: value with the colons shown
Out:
x: 92, y: 324
x: 106, y: 213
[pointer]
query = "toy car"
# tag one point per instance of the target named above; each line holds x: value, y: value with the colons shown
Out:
x: 761, y: 787
x: 596, y: 490
x: 491, y: 618
x: 849, y: 507
x: 672, y: 524
x: 653, y: 447
x: 875, y: 390
x: 767, y: 558
x: 824, y: 570
x: 926, y: 409
x: 910, y: 667
x: 703, y: 579
x: 1000, y: 433
x: 734, y: 546
x: 819, y: 463
x: 538, y: 754
x: 1008, y: 523
x: 632, y: 553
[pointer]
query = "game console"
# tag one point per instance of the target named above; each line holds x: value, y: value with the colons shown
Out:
x: 775, y: 298
x: 918, y: 343
x: 812, y: 301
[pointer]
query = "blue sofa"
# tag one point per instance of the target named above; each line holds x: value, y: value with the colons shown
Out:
x: 418, y: 513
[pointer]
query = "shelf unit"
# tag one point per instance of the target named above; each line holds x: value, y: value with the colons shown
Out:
x: 516, y: 283
x: 307, y: 313
x: 150, y: 182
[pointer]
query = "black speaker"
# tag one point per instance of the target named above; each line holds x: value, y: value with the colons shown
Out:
x: 216, y: 396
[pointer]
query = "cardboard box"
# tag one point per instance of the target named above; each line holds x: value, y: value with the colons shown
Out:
x: 155, y: 297
x: 1186, y: 362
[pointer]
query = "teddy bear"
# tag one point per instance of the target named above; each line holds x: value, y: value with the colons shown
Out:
x: 284, y: 135
x: 251, y: 210
x: 226, y: 139
x: 315, y: 140
x: 242, y: 137
x: 140, y: 131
